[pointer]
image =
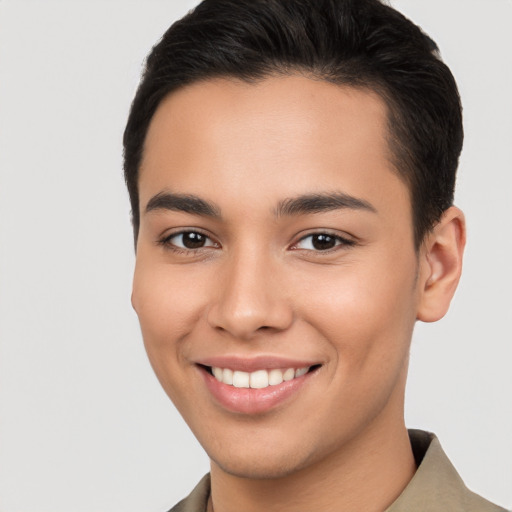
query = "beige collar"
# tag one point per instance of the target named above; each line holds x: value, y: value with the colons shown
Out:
x: 435, y: 487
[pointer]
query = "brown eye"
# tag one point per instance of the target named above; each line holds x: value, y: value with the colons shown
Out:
x: 193, y: 240
x: 323, y: 242
x: 189, y: 240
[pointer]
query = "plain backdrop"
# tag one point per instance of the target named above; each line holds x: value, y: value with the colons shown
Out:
x: 84, y: 425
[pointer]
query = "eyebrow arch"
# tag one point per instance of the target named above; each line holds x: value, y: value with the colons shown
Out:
x: 186, y: 203
x: 317, y: 203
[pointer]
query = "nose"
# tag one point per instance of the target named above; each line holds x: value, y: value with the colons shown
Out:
x: 251, y: 299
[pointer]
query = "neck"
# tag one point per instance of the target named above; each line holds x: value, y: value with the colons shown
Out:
x: 369, y: 473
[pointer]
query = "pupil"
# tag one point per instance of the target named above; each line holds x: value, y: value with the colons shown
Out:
x: 193, y: 240
x: 323, y: 242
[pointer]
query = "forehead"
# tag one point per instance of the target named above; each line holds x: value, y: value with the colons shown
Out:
x: 288, y: 135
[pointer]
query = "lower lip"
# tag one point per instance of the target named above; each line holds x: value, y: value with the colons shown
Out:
x: 252, y: 401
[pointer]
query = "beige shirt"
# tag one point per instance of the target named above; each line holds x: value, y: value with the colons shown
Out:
x: 435, y: 487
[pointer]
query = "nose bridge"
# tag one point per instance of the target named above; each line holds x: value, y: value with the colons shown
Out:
x: 250, y: 299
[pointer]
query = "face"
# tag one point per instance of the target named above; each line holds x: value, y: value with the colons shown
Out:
x: 276, y: 280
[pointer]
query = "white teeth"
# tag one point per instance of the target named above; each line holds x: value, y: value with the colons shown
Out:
x: 275, y: 377
x: 227, y: 376
x: 259, y: 379
x: 289, y: 374
x: 301, y: 371
x: 241, y: 379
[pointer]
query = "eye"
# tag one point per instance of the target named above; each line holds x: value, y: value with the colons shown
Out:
x: 188, y: 240
x: 321, y: 242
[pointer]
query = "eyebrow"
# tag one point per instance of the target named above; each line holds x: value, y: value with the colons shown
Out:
x: 318, y: 203
x: 187, y: 203
x: 300, y: 205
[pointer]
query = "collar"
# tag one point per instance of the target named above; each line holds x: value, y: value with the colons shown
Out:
x: 435, y: 487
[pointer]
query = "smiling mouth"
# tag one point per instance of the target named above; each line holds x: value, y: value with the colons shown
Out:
x: 258, y: 379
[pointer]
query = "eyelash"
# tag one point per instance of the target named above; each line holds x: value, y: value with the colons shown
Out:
x: 167, y: 243
x: 340, y: 242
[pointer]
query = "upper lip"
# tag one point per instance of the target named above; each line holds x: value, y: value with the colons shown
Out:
x: 246, y: 364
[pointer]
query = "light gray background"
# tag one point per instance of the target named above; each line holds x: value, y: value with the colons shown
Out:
x: 84, y: 425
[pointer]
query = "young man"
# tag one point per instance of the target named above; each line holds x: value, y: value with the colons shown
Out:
x: 291, y: 166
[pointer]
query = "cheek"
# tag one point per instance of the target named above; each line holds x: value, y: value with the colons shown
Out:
x: 166, y: 300
x: 168, y: 305
x: 367, y: 326
x: 365, y: 312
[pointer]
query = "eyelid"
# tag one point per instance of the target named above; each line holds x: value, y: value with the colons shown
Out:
x: 341, y: 241
x: 165, y: 240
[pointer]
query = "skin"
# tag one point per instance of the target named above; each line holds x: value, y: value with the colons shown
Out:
x: 259, y: 287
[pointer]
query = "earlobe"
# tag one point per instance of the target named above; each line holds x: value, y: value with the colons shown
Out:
x: 441, y: 265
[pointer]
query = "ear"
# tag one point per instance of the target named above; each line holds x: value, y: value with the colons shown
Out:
x: 441, y: 265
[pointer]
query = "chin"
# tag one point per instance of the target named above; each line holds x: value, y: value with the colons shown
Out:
x: 262, y: 461
x: 259, y: 469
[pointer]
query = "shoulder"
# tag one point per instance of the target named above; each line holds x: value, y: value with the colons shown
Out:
x: 475, y: 503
